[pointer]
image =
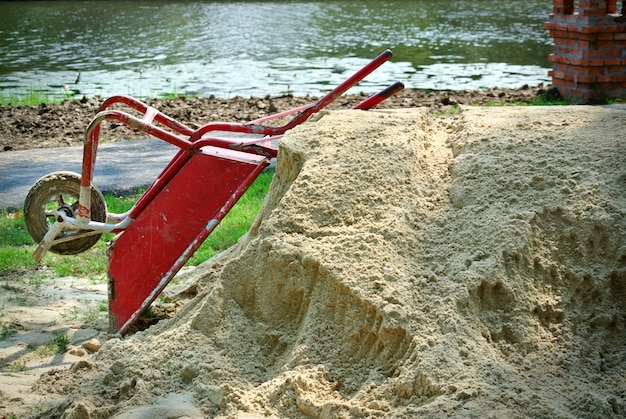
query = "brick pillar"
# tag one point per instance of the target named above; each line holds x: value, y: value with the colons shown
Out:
x: 589, y: 58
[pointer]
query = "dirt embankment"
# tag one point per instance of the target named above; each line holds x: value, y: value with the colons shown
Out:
x: 60, y: 125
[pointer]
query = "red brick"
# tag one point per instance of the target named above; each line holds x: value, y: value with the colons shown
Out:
x: 611, y: 6
x: 617, y: 69
x: 611, y: 79
x: 563, y: 3
x: 620, y: 36
x: 606, y: 44
x: 560, y: 27
x: 584, y: 78
x: 564, y: 42
x: 563, y: 6
x: 586, y: 30
x: 612, y: 61
x: 593, y: 53
x: 561, y: 51
x: 559, y: 35
x: 564, y: 91
x: 592, y: 12
x: 575, y: 52
x: 560, y: 59
x: 562, y: 10
x: 562, y: 67
x: 594, y: 70
x: 607, y: 36
x: 592, y: 62
x: 588, y: 35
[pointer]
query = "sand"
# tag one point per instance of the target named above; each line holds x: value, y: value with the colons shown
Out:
x: 403, y: 265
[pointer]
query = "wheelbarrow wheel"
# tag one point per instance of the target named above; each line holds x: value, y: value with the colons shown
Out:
x: 61, y: 190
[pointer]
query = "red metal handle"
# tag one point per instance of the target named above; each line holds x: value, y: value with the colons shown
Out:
x: 379, y: 97
x: 302, y: 116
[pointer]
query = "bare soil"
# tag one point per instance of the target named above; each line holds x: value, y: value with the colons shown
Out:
x: 64, y: 124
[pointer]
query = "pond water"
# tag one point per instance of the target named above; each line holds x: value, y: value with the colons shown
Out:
x: 255, y: 48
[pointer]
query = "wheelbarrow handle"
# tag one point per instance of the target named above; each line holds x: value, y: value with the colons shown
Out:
x: 341, y: 89
x: 379, y: 97
x: 306, y: 112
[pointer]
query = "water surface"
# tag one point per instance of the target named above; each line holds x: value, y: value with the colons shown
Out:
x: 228, y: 48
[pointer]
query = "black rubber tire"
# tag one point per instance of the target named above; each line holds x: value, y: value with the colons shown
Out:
x: 52, y: 191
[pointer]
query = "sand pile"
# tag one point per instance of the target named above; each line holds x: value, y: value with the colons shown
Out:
x: 403, y: 264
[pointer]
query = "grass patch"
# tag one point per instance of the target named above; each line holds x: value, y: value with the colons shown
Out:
x: 61, y: 341
x: 15, y: 366
x: 16, y: 246
x: 545, y: 100
x: 449, y: 111
x: 32, y: 98
x: 6, y: 332
x: 87, y: 312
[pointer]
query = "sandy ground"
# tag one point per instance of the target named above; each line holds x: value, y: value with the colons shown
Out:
x: 404, y: 264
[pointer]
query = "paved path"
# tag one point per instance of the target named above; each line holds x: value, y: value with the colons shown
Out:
x: 120, y: 167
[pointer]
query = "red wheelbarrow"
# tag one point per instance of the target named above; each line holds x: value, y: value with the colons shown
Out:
x: 67, y: 214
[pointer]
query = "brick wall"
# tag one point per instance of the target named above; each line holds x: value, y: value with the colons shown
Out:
x: 589, y: 58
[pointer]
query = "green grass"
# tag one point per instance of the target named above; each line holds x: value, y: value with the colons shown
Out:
x: 32, y: 98
x: 6, y: 332
x: 543, y: 100
x: 16, y: 246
